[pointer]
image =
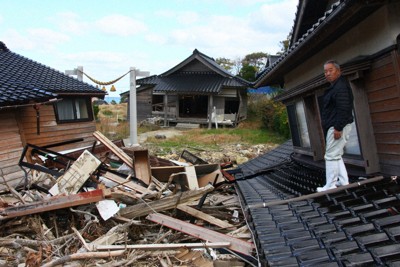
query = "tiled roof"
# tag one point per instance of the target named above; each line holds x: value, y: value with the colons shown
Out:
x: 23, y: 80
x: 192, y: 82
x: 353, y: 227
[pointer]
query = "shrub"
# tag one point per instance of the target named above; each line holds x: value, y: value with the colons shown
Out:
x: 96, y: 111
x: 107, y: 112
x: 273, y: 114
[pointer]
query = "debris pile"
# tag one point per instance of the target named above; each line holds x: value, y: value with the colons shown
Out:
x: 111, y: 205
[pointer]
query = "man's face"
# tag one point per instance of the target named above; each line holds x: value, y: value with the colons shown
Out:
x: 331, y: 72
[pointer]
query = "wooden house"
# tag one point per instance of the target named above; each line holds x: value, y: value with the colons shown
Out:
x: 39, y: 106
x: 364, y: 37
x: 191, y: 91
x: 353, y: 225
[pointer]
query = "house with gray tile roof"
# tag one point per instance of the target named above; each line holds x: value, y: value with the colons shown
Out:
x: 40, y: 106
x: 353, y: 225
x: 191, y: 91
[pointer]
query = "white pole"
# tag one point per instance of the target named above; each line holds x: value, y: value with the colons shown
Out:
x: 133, y: 104
x: 133, y: 108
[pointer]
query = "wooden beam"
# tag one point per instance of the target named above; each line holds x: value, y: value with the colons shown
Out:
x: 202, y: 233
x: 203, y: 216
x: 165, y: 203
x: 142, y: 165
x: 53, y: 203
x: 165, y: 246
x: 116, y: 150
x: 126, y: 183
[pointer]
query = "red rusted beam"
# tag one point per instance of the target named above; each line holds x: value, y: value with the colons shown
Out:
x: 53, y: 203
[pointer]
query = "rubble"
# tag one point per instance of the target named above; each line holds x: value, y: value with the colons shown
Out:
x: 110, y: 205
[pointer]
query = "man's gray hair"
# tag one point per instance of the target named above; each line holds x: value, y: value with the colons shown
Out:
x: 334, y: 63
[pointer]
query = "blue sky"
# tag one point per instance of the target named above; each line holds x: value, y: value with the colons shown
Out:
x: 109, y: 37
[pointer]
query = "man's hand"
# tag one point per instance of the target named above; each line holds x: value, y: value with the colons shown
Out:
x: 337, y: 134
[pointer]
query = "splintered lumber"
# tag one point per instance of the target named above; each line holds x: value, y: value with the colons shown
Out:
x: 142, y: 165
x: 165, y: 203
x: 83, y: 256
x: 202, y: 233
x: 116, y: 150
x: 165, y: 246
x: 53, y: 203
x: 201, y: 215
x: 126, y: 183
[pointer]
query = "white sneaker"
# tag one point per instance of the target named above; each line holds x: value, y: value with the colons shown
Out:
x: 321, y: 189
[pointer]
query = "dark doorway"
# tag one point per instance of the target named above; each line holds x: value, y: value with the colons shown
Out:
x: 195, y: 106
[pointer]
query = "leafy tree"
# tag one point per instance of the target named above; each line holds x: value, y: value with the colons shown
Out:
x: 113, y: 102
x: 226, y: 63
x: 248, y: 72
x: 257, y: 59
x: 285, y: 44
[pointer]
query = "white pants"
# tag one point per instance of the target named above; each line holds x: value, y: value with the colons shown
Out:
x: 334, y: 147
x: 336, y: 173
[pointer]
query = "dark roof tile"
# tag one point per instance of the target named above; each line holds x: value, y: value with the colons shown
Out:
x: 23, y: 80
x: 330, y: 230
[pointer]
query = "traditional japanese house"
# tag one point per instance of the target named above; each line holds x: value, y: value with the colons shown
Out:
x: 355, y: 225
x: 40, y: 106
x: 191, y: 92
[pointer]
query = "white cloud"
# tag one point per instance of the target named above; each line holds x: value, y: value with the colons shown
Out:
x: 70, y: 22
x: 275, y: 17
x: 156, y: 39
x: 120, y: 25
x: 40, y: 39
x: 187, y: 17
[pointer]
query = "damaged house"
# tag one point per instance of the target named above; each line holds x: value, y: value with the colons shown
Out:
x: 354, y: 225
x: 194, y: 91
x: 40, y: 106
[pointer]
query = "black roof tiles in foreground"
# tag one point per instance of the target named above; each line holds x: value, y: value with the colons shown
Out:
x: 358, y: 226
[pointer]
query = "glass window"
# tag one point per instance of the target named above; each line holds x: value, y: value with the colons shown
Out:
x: 302, y: 124
x: 73, y: 109
x: 352, y: 146
x: 298, y: 124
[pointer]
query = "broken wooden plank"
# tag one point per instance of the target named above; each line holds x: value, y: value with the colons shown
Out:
x: 53, y: 203
x: 126, y: 183
x: 202, y: 233
x: 165, y: 203
x: 116, y: 150
x: 73, y: 179
x: 165, y: 246
x: 191, y: 177
x: 204, y: 216
x: 142, y: 165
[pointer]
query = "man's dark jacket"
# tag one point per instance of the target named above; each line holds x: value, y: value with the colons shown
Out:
x: 337, y: 105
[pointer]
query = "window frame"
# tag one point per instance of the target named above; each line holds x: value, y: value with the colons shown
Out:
x: 89, y: 109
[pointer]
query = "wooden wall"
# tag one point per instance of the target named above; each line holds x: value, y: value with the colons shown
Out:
x: 144, y: 104
x: 383, y: 88
x: 51, y: 132
x: 10, y: 149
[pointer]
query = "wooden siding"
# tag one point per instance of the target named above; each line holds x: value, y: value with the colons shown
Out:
x: 51, y: 132
x: 383, y: 89
x: 11, y: 148
x: 144, y: 104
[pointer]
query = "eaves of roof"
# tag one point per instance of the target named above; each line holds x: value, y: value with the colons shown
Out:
x: 206, y: 60
x: 200, y: 83
x: 23, y: 80
x: 342, y: 16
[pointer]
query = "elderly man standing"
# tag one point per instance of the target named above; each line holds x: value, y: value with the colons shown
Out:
x: 337, y: 116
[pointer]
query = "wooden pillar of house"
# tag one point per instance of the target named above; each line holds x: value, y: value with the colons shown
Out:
x: 210, y: 110
x: 364, y: 123
x: 165, y: 109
